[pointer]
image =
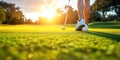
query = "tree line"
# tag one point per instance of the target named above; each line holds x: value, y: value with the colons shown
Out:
x: 60, y: 16
x: 101, y: 7
x: 10, y: 14
x: 98, y: 12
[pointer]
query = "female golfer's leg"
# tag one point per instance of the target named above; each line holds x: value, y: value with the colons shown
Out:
x: 80, y: 9
x: 80, y: 23
x: 86, y: 10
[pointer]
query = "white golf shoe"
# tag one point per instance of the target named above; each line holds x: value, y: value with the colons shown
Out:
x: 81, y: 26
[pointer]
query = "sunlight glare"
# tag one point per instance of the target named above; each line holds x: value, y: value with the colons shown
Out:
x: 46, y: 10
x: 49, y: 14
x: 32, y: 16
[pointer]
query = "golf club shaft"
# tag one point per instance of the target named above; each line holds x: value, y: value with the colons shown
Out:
x: 66, y: 15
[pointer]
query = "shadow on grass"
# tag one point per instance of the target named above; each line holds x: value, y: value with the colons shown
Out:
x: 114, y: 37
x: 105, y: 25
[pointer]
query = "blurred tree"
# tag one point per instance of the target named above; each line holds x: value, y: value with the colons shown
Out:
x: 102, y: 6
x: 95, y: 16
x: 111, y: 17
x: 13, y: 14
x: 2, y: 15
x: 28, y: 21
x: 60, y: 16
x: 107, y: 5
x: 72, y: 15
x: 115, y: 5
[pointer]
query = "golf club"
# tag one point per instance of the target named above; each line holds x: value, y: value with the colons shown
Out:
x: 66, y: 16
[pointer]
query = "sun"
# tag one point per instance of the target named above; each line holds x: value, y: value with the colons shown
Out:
x: 49, y: 14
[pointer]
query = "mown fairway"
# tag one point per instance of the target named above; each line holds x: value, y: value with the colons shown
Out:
x: 50, y: 42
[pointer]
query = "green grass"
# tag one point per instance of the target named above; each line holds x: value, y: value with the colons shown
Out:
x: 50, y: 42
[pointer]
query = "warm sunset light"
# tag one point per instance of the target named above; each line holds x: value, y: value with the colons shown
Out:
x: 59, y: 29
x: 49, y: 14
x: 34, y: 9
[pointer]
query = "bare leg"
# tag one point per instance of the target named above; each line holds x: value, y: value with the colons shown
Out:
x: 86, y: 10
x: 80, y: 9
x: 83, y: 13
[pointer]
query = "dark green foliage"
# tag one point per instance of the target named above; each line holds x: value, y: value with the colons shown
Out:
x: 95, y: 16
x: 12, y: 13
x: 105, y: 6
x: 111, y: 17
x: 2, y: 15
x: 115, y: 5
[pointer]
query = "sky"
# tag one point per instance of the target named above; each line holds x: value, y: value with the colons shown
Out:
x: 34, y: 8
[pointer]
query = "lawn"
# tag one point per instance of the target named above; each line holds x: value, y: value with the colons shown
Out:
x: 50, y: 42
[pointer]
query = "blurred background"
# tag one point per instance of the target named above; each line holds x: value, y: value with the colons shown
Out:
x: 54, y: 11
